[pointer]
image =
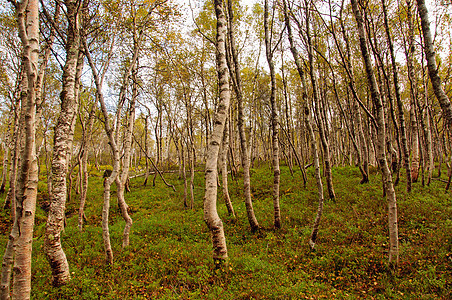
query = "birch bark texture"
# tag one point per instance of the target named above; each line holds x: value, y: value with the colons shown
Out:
x: 27, y: 13
x: 444, y: 101
x: 55, y: 221
x: 211, y: 217
x: 308, y: 121
x: 400, y: 115
x: 224, y: 171
x: 320, y: 110
x: 121, y: 180
x: 8, y: 257
x: 237, y: 84
x: 318, y: 177
x: 109, y: 180
x: 380, y: 138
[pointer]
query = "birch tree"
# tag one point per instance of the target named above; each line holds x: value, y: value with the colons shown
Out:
x: 308, y: 122
x: 430, y: 56
x: 401, y: 117
x: 381, y: 138
x: 274, y: 117
x: 224, y: 171
x: 27, y: 14
x: 319, y: 108
x: 237, y: 84
x: 63, y: 131
x: 109, y: 180
x: 211, y: 217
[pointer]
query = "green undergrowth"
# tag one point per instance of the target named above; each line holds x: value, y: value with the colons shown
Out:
x: 169, y: 256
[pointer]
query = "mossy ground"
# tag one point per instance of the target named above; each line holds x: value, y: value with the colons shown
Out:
x: 170, y: 251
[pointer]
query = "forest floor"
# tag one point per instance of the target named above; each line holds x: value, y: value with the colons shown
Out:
x: 170, y: 250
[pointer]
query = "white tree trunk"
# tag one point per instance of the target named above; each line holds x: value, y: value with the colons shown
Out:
x: 381, y: 140
x: 28, y: 24
x: 114, y: 173
x: 237, y: 83
x: 224, y: 171
x: 122, y: 179
x: 274, y: 120
x: 430, y: 55
x: 61, y: 151
x: 213, y: 221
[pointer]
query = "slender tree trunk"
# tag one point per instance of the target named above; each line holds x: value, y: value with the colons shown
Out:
x: 11, y: 194
x: 295, y: 55
x: 184, y: 174
x: 237, y: 83
x: 405, y: 152
x: 414, y: 144
x: 310, y: 130
x: 70, y: 138
x: 427, y: 128
x: 318, y: 176
x: 55, y: 222
x: 190, y: 146
x: 224, y: 171
x: 231, y: 156
x: 381, y: 140
x: 84, y: 166
x: 114, y: 173
x: 8, y: 258
x: 430, y: 55
x: 191, y: 153
x: 105, y: 215
x: 213, y: 221
x: 319, y: 106
x: 27, y: 13
x: 146, y: 148
x: 121, y: 180
x: 274, y: 119
x: 207, y: 117
x: 363, y: 139
x: 5, y: 161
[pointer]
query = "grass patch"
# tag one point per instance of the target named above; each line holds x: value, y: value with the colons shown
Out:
x: 170, y: 250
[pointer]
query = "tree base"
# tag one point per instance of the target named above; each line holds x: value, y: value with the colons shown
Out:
x: 220, y: 263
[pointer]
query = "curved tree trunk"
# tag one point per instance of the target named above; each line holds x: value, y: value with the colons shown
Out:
x: 318, y: 177
x: 61, y: 151
x: 308, y: 123
x: 121, y: 180
x: 320, y: 112
x: 114, y: 173
x: 11, y: 194
x: 5, y: 160
x: 401, y: 117
x: 84, y: 166
x: 10, y: 201
x: 237, y: 83
x: 224, y: 171
x: 274, y: 120
x: 427, y: 129
x: 213, y: 221
x: 444, y: 101
x: 381, y: 139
